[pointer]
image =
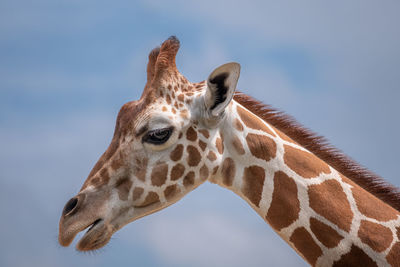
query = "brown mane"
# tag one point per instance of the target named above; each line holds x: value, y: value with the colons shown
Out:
x: 322, y: 149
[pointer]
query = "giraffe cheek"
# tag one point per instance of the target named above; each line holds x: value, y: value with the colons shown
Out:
x: 177, y: 172
x: 140, y: 169
x: 194, y: 156
x: 137, y: 193
x: 123, y: 189
x: 159, y: 174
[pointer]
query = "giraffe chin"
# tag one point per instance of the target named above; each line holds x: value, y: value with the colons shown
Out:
x: 97, y: 236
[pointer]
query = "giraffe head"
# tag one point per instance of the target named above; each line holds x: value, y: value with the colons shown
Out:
x: 164, y: 145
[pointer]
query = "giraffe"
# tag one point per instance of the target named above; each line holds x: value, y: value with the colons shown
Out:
x: 179, y: 134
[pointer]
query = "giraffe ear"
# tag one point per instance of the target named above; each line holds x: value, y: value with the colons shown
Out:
x: 221, y: 85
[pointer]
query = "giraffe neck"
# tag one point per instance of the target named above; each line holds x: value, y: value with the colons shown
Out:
x: 322, y: 214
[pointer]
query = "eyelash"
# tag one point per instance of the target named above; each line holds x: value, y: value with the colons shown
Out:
x: 158, y: 136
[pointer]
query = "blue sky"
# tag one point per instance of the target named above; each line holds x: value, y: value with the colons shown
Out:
x: 66, y: 67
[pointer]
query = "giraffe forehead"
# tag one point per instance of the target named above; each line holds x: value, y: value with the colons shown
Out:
x: 131, y: 116
x: 174, y: 97
x: 176, y: 90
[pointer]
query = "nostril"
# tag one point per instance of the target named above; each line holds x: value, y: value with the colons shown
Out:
x: 70, y: 206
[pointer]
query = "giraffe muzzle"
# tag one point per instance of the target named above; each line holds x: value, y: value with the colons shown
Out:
x: 85, y: 211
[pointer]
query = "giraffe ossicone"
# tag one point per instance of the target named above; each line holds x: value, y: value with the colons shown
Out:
x: 180, y: 134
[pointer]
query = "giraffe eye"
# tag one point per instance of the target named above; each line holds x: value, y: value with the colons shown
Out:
x: 159, y: 136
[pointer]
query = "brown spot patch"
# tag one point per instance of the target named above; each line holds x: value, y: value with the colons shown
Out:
x: 372, y: 207
x: 176, y: 154
x: 253, y: 182
x: 136, y: 193
x: 377, y: 236
x: 189, y: 179
x: 194, y: 156
x: 238, y: 125
x: 355, y: 257
x: 261, y: 147
x: 204, y: 172
x: 117, y: 163
x: 393, y: 256
x: 398, y: 232
x: 202, y: 145
x: 95, y: 181
x: 215, y: 170
x: 191, y: 134
x: 329, y: 200
x: 177, y: 171
x: 168, y: 99
x: 205, y: 133
x: 285, y: 206
x: 164, y: 109
x: 237, y: 144
x: 105, y: 176
x: 324, y: 233
x: 253, y: 121
x: 220, y: 145
x: 123, y: 187
x: 228, y: 171
x: 170, y: 191
x: 305, y: 244
x: 139, y: 170
x: 159, y: 174
x: 211, y: 156
x: 151, y: 198
x: 304, y: 163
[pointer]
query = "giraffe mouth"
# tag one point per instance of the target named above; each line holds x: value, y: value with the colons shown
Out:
x: 97, y: 235
x: 93, y: 224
